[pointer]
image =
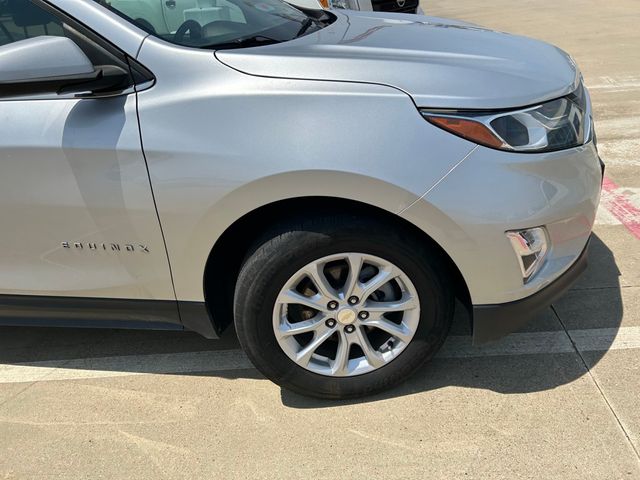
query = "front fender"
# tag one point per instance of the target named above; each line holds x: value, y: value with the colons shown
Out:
x: 220, y: 144
x: 199, y: 239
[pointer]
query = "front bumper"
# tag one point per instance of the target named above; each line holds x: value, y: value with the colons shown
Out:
x: 493, y: 192
x: 492, y: 322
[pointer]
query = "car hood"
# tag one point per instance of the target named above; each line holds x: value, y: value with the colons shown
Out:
x: 440, y: 63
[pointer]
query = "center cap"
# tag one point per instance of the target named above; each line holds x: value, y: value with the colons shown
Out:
x: 346, y: 316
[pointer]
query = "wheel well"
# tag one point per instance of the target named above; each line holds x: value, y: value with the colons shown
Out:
x: 229, y: 252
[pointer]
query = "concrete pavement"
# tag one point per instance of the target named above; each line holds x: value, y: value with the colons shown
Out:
x: 558, y: 400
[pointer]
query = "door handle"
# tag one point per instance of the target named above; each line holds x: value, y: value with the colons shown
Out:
x: 170, y: 3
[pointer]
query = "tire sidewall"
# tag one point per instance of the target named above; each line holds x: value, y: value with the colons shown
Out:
x: 276, y: 261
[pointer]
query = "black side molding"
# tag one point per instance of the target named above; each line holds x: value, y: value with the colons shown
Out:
x: 82, y: 312
x: 90, y: 312
x: 492, y: 322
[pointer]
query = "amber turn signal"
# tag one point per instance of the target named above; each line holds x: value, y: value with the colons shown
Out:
x: 473, y: 131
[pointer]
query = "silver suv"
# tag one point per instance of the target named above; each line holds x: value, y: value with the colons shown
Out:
x: 328, y: 181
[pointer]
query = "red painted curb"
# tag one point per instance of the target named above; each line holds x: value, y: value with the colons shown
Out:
x: 621, y: 208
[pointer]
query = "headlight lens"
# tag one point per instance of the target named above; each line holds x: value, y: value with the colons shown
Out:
x: 555, y: 125
x: 344, y: 4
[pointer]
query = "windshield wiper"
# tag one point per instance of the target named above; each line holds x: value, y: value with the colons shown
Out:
x: 254, y: 41
x: 305, y: 26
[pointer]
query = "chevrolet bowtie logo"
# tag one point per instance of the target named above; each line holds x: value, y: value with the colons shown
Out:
x: 112, y: 247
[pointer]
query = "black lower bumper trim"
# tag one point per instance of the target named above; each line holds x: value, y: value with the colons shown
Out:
x: 492, y: 322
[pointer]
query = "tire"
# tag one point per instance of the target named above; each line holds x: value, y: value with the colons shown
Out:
x: 278, y: 255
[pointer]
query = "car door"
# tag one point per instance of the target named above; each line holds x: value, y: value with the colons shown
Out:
x: 77, y: 216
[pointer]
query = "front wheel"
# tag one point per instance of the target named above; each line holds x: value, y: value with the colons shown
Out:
x: 341, y: 306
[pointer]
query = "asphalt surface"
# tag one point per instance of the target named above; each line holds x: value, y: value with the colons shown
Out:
x: 558, y: 400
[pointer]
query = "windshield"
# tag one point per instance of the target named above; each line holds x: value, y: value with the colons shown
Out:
x: 218, y: 23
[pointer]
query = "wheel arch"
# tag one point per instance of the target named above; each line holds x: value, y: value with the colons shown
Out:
x: 231, y: 247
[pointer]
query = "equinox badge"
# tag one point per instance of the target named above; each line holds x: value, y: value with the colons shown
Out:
x: 114, y: 247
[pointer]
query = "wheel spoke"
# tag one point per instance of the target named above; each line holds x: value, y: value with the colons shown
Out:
x: 407, y: 302
x: 401, y: 332
x: 340, y: 365
x: 291, y: 296
x: 321, y: 335
x: 315, y: 272
x: 373, y: 357
x: 287, y: 329
x: 354, y: 262
x: 382, y: 277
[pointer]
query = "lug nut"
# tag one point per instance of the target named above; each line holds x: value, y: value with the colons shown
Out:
x: 330, y: 323
x: 353, y: 300
x: 363, y: 315
x: 349, y: 329
x: 332, y: 305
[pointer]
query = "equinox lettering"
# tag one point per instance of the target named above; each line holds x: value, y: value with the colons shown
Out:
x: 114, y: 247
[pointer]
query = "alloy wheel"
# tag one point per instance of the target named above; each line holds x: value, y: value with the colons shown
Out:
x: 346, y: 314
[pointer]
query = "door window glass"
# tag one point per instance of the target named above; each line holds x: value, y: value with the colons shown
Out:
x: 21, y: 19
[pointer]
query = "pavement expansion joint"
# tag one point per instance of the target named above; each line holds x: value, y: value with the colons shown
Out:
x: 597, y: 385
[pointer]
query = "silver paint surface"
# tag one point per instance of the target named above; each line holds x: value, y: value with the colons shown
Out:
x: 73, y: 171
x: 330, y: 114
x: 32, y: 58
x: 243, y: 142
x: 440, y: 63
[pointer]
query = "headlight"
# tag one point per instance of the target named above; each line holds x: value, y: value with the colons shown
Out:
x: 555, y: 125
x: 344, y: 4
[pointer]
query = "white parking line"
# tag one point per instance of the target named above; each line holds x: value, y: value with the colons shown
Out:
x: 622, y: 84
x: 588, y: 340
x: 537, y: 343
x: 100, y: 367
x: 629, y: 82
